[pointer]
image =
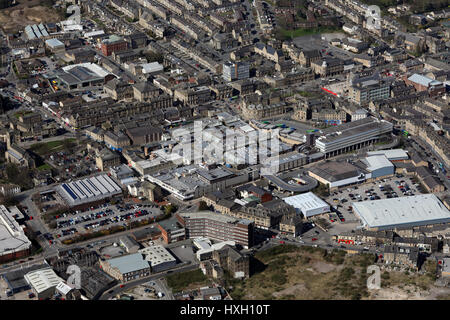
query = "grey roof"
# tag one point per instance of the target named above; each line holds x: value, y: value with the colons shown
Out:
x: 129, y: 263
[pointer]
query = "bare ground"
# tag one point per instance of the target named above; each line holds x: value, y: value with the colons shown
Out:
x: 26, y: 12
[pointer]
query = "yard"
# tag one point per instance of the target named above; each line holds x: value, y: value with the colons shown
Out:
x: 47, y: 148
x: 187, y: 280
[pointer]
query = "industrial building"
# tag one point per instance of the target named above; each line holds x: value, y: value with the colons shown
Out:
x: 351, y: 136
x: 336, y: 174
x: 43, y: 282
x: 55, y: 45
x: 81, y: 75
x: 391, y: 155
x: 13, y: 241
x: 308, y: 204
x: 403, y: 212
x: 127, y: 267
x: 93, y: 189
x: 159, y: 258
x: 378, y: 166
x: 217, y: 227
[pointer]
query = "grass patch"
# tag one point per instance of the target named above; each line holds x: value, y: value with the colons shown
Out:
x: 43, y: 167
x: 284, y: 34
x: 46, y: 148
x: 184, y: 280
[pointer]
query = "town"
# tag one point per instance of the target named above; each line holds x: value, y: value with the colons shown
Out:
x: 224, y: 149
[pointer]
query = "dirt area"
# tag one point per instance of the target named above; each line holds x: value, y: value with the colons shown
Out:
x: 27, y: 12
x: 306, y: 273
x: 323, y: 267
x: 410, y: 293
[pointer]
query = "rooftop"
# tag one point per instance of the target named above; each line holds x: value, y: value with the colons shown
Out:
x: 129, y: 263
x: 414, y: 210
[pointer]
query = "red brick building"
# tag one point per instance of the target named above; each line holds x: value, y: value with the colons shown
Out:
x: 113, y: 44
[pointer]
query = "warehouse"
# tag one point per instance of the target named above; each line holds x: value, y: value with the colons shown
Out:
x: 93, y: 189
x: 405, y: 212
x: 308, y: 204
x: 14, y: 243
x: 378, y: 166
x: 43, y: 282
x: 336, y: 174
x: 391, y: 155
x: 159, y: 258
x: 55, y: 45
x: 127, y: 267
x: 81, y: 75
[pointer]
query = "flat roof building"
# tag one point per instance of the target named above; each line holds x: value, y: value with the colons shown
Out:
x: 88, y: 190
x: 126, y: 268
x: 43, y: 282
x: 13, y: 241
x: 217, y: 227
x: 338, y: 173
x: 391, y: 155
x: 425, y: 209
x: 351, y: 136
x: 159, y: 258
x: 308, y: 204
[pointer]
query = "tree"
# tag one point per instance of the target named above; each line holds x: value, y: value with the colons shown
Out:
x: 202, y: 206
x: 170, y: 208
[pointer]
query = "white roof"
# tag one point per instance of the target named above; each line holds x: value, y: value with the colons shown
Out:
x: 42, y: 279
x: 63, y: 288
x: 307, y: 201
x: 54, y: 42
x: 12, y: 236
x: 156, y: 255
x: 152, y: 67
x: 377, y: 162
x: 394, y: 154
x: 414, y: 210
x: 91, y: 66
x: 94, y: 33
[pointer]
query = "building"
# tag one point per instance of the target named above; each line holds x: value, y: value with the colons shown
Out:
x: 423, y: 83
x: 364, y: 92
x: 88, y: 190
x: 9, y: 190
x: 292, y: 225
x: 217, y: 227
x: 392, y: 155
x: 337, y: 174
x: 127, y: 267
x: 14, y: 243
x: 113, y: 44
x: 106, y: 159
x: 419, y: 210
x: 43, y: 282
x: 159, y: 258
x: 55, y: 45
x: 171, y: 230
x: 129, y: 244
x: 351, y: 136
x: 144, y: 135
x: 232, y: 71
x: 378, y: 166
x: 308, y: 204
x: 405, y: 256
x: 326, y: 67
x: 80, y: 75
